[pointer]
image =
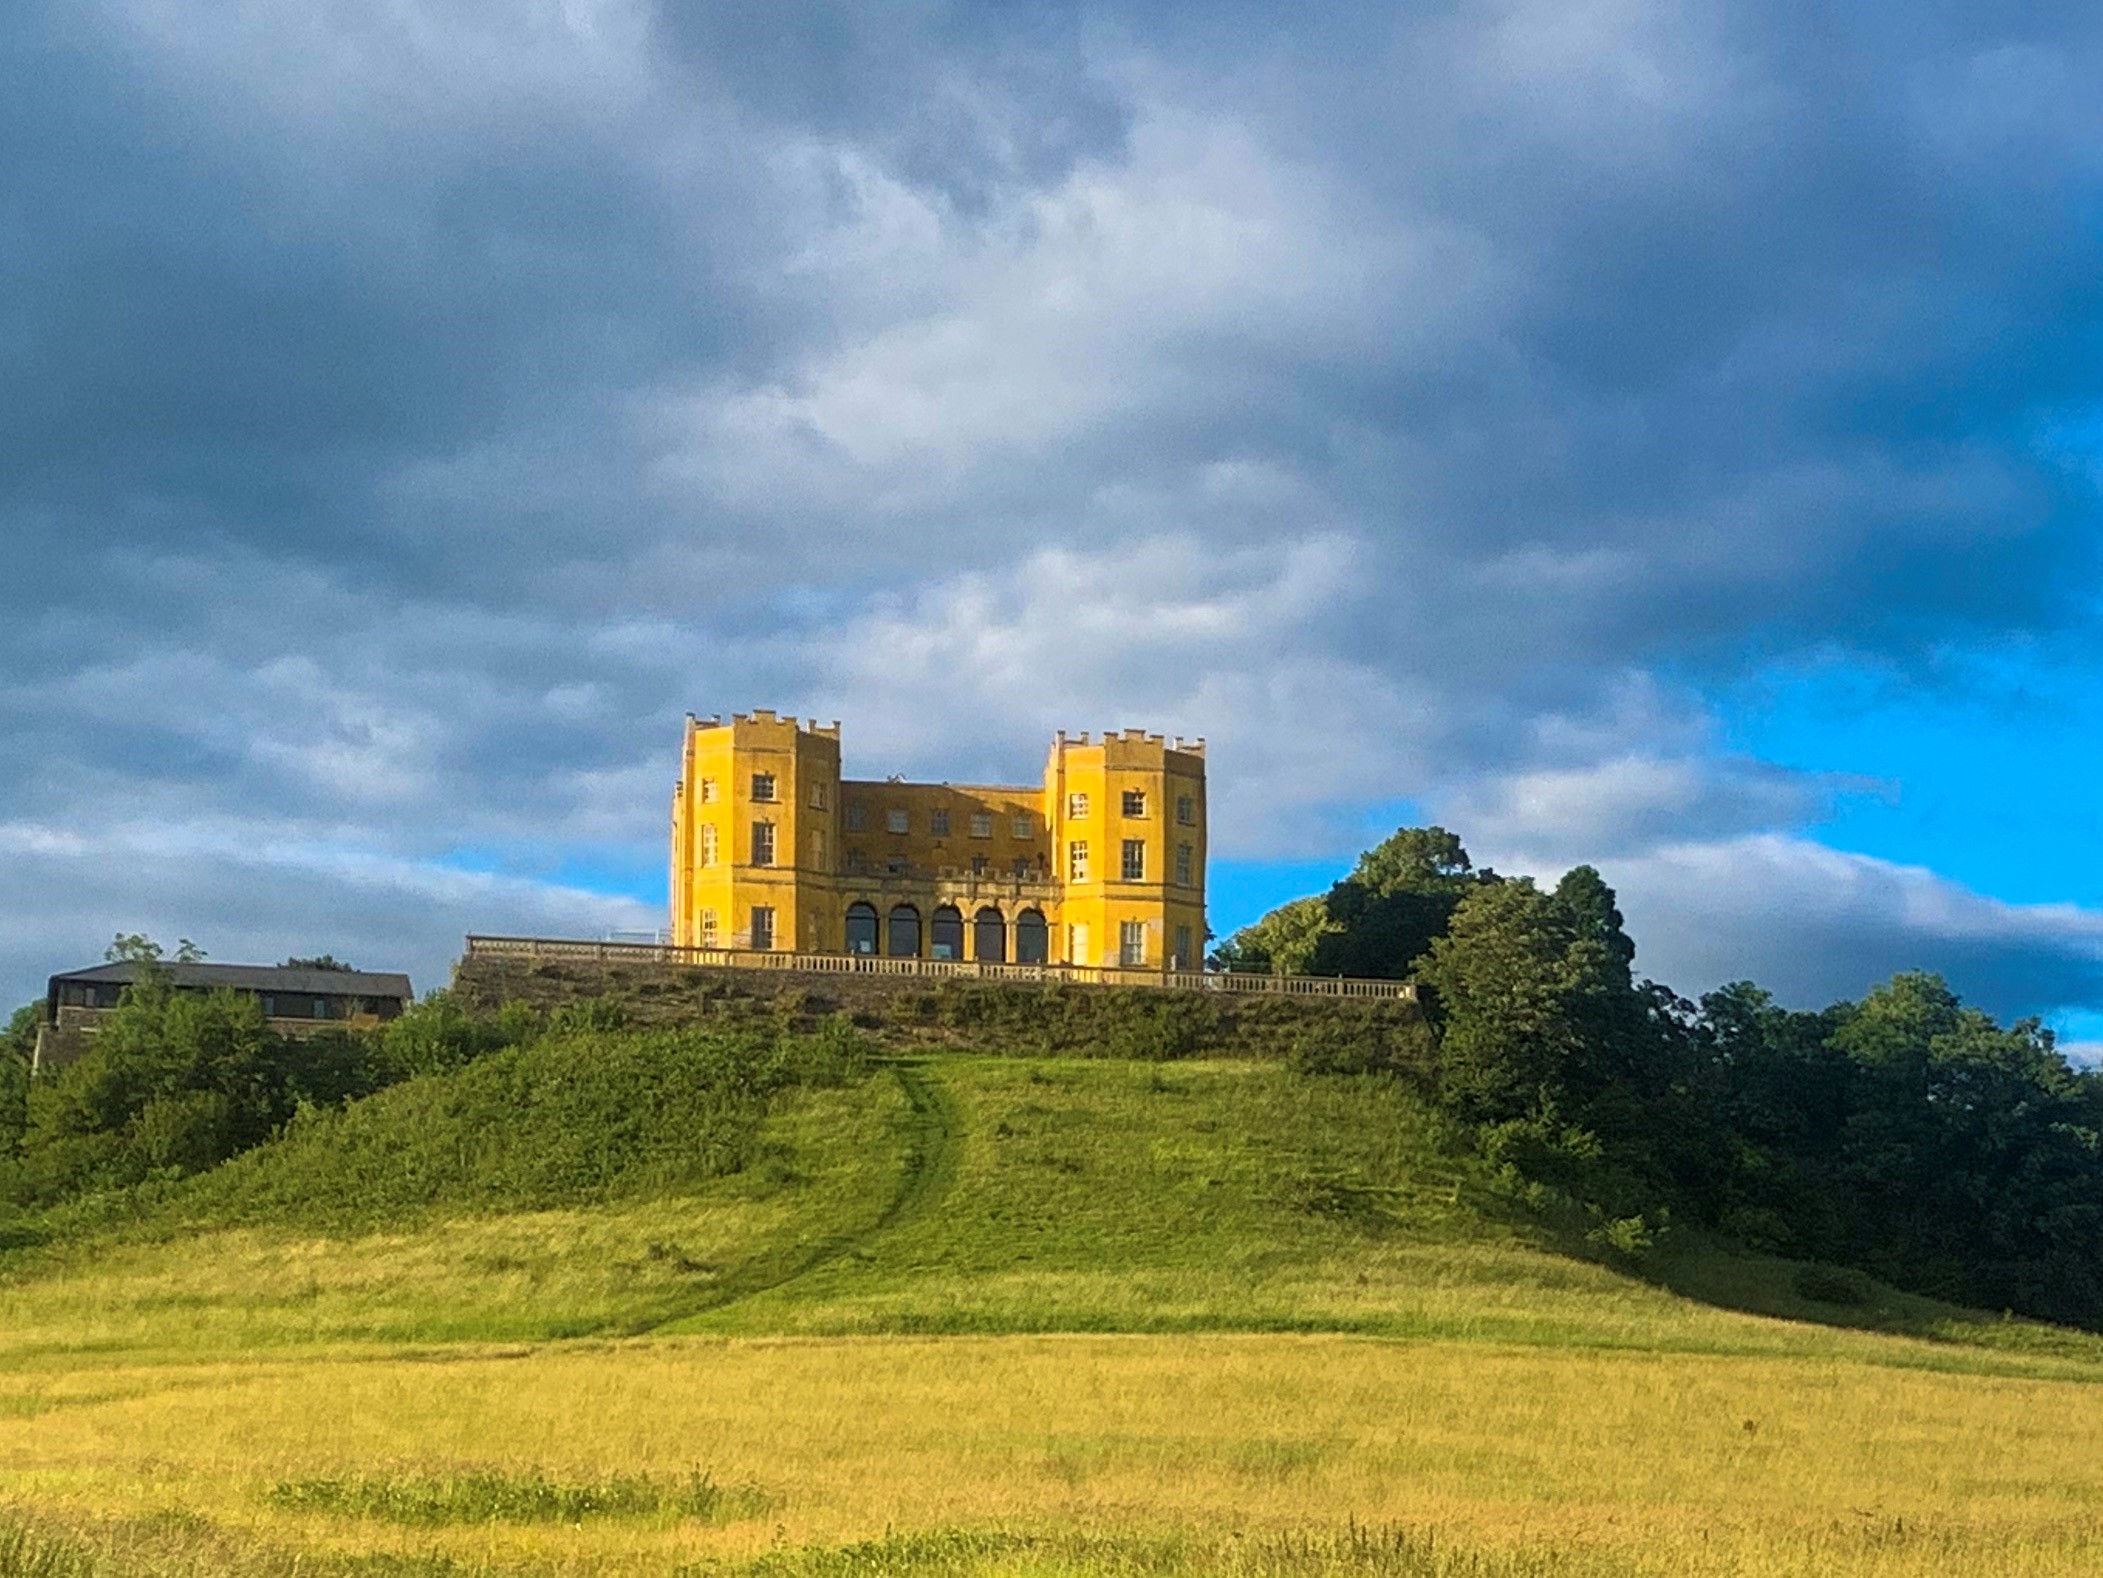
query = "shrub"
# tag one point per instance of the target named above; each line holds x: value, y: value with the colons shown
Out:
x: 14, y: 1102
x: 1834, y: 1285
x: 174, y: 1083
x: 587, y: 1014
x: 442, y: 1033
x: 1160, y: 1026
x: 563, y: 1120
x: 832, y: 1055
x: 1330, y: 1046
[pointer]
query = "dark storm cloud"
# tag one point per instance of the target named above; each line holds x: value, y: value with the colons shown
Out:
x: 229, y: 326
x: 966, y: 98
x: 405, y: 412
x: 1822, y: 926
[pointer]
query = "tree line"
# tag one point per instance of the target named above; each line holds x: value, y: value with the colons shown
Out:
x: 1905, y: 1135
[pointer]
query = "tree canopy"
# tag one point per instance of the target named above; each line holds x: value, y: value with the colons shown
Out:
x: 1906, y: 1134
x: 137, y: 947
x: 1376, y: 922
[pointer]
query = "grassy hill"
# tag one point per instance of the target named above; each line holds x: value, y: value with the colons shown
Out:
x: 674, y: 1302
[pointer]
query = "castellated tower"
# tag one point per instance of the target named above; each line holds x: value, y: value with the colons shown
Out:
x: 1101, y: 866
x: 1128, y: 819
x: 753, y: 819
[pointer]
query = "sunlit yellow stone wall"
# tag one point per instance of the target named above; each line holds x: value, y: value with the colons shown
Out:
x: 1101, y: 864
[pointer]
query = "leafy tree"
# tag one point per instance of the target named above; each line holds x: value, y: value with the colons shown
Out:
x: 1906, y: 1135
x: 1284, y: 942
x: 17, y: 1046
x: 14, y: 1105
x: 1376, y: 922
x: 1396, y: 901
x: 1595, y: 915
x: 1519, y: 987
x: 20, y: 1036
x: 1909, y: 1136
x: 137, y: 947
x: 175, y: 1082
x: 1776, y: 1096
x: 321, y: 961
x: 1970, y: 1154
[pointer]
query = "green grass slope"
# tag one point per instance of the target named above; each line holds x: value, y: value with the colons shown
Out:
x: 680, y: 1183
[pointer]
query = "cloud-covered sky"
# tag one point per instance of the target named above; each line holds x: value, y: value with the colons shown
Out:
x: 1665, y: 435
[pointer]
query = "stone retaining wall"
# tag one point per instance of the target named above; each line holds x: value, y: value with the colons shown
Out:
x: 1050, y: 1018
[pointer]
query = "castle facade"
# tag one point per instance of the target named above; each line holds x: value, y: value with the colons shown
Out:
x: 1103, y: 864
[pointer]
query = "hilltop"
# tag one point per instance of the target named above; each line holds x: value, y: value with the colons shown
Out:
x: 1029, y: 1312
x: 743, y: 1180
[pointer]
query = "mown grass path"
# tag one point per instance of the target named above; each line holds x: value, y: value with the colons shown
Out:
x: 927, y: 1169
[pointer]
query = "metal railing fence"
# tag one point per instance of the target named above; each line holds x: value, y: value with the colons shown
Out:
x: 558, y: 949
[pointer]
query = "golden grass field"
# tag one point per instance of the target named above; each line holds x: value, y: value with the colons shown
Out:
x: 1070, y: 1318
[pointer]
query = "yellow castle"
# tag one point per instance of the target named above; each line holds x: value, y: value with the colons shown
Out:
x: 1102, y: 865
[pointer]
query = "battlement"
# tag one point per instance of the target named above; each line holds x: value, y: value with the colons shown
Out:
x: 1189, y: 747
x: 767, y: 717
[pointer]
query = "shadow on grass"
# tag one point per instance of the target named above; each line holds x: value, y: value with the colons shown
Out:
x: 1725, y: 1276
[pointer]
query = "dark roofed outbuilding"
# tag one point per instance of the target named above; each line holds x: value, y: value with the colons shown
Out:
x: 294, y: 998
x: 258, y: 978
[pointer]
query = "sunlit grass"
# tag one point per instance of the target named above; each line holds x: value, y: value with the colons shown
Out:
x: 990, y: 1316
x: 827, y: 1164
x: 1682, y: 1462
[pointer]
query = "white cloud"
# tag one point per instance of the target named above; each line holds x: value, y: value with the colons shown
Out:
x: 1169, y: 634
x: 1152, y: 288
x: 1625, y: 803
x: 251, y: 893
x: 1820, y: 924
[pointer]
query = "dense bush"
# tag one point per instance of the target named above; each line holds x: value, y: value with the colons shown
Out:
x: 1128, y: 1022
x: 566, y: 1119
x: 442, y: 1033
x: 17, y: 1045
x: 14, y: 1104
x: 443, y: 1106
x: 1320, y: 1034
x: 173, y: 1083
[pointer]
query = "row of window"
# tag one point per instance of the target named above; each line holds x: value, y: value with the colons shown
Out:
x: 105, y: 994
x: 1131, y: 863
x: 764, y: 791
x: 900, y: 935
x: 900, y: 932
x: 897, y: 820
x: 1132, y: 802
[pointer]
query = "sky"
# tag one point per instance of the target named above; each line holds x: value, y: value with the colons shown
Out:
x: 1663, y: 435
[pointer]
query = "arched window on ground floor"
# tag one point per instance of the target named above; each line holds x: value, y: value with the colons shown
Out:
x: 904, y: 933
x: 945, y: 933
x: 1032, y: 938
x: 861, y: 928
x: 989, y: 936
